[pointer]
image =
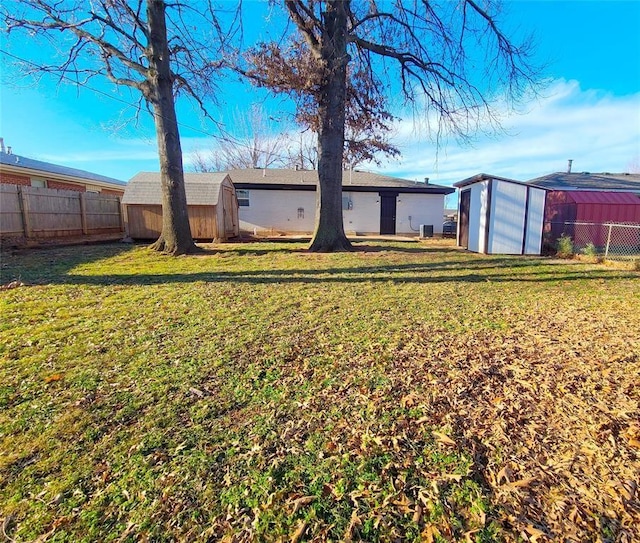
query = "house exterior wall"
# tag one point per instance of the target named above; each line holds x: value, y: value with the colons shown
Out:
x: 277, y: 211
x: 10, y: 178
x: 364, y: 216
x: 53, y: 184
x: 13, y: 175
x: 423, y: 209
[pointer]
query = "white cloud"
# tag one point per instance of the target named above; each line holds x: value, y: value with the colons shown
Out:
x: 599, y: 131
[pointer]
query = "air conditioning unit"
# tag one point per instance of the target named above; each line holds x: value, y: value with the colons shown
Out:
x: 426, y: 230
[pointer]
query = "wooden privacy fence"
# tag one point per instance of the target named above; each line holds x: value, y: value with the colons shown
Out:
x: 39, y: 213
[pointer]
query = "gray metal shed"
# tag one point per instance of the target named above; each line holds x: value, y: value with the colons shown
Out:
x: 212, y: 205
x: 500, y: 216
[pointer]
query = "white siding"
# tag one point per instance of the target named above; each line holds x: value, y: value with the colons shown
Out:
x: 477, y: 216
x: 535, y: 218
x: 423, y: 209
x: 364, y: 217
x: 277, y: 211
x: 507, y: 218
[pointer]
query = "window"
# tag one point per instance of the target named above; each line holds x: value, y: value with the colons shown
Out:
x: 38, y: 182
x: 301, y: 213
x: 347, y: 203
x: 243, y: 197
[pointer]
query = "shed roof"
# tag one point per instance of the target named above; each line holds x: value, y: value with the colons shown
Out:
x: 21, y: 162
x: 484, y: 177
x: 355, y: 180
x: 599, y: 197
x: 201, y: 188
x: 628, y: 182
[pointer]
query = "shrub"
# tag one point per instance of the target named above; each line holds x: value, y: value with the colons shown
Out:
x: 591, y: 251
x: 564, y: 247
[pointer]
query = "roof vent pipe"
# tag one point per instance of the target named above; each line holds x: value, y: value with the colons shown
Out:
x: 426, y: 180
x: 569, y: 165
x: 9, y: 150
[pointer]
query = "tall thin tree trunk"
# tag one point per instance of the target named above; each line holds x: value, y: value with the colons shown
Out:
x: 176, y: 236
x: 329, y: 233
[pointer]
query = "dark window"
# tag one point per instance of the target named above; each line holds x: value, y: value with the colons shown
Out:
x: 243, y: 197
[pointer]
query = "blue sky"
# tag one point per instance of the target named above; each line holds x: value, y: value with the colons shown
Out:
x: 589, y: 111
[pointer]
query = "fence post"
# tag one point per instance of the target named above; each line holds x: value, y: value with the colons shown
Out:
x: 83, y: 213
x: 606, y: 252
x: 25, y: 212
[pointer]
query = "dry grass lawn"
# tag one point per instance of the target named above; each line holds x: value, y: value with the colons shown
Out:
x: 403, y: 392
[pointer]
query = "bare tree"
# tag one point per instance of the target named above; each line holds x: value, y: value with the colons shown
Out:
x: 255, y: 143
x: 149, y: 46
x: 446, y: 59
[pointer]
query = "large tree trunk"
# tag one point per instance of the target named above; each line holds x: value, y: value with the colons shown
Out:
x: 329, y: 233
x: 176, y: 237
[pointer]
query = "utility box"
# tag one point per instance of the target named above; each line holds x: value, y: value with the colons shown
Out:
x: 426, y: 230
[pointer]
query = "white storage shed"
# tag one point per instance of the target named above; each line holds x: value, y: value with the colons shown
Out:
x: 500, y: 216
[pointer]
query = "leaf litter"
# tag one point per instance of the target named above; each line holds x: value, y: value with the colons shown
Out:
x: 402, y: 403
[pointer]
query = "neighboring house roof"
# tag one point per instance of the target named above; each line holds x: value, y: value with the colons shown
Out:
x: 38, y: 167
x: 352, y: 180
x: 588, y: 181
x: 202, y: 188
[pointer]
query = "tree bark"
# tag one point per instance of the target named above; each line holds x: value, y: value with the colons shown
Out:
x: 176, y: 236
x: 329, y: 233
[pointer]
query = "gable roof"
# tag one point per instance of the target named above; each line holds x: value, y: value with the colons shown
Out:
x: 202, y: 188
x: 38, y: 166
x: 352, y: 180
x: 588, y: 181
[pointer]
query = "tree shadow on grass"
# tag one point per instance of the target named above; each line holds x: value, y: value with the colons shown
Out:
x: 56, y: 267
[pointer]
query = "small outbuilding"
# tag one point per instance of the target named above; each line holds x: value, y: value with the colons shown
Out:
x: 212, y: 205
x: 497, y: 215
x: 565, y: 209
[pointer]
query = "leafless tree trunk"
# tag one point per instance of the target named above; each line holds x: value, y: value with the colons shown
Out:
x: 329, y: 233
x: 449, y: 60
x: 176, y: 232
x: 113, y: 40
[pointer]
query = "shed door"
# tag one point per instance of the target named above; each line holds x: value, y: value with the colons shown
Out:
x: 229, y: 209
x: 465, y: 205
x: 387, y: 213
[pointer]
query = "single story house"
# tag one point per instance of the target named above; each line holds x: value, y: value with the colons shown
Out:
x: 284, y: 201
x: 506, y: 216
x: 211, y: 203
x: 23, y: 171
x: 585, y: 181
x: 497, y: 215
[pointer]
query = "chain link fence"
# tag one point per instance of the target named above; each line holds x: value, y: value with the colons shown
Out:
x: 609, y: 240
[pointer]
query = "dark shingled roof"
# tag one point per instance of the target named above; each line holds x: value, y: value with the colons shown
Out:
x: 202, y: 188
x: 18, y: 161
x: 355, y: 180
x: 588, y: 181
